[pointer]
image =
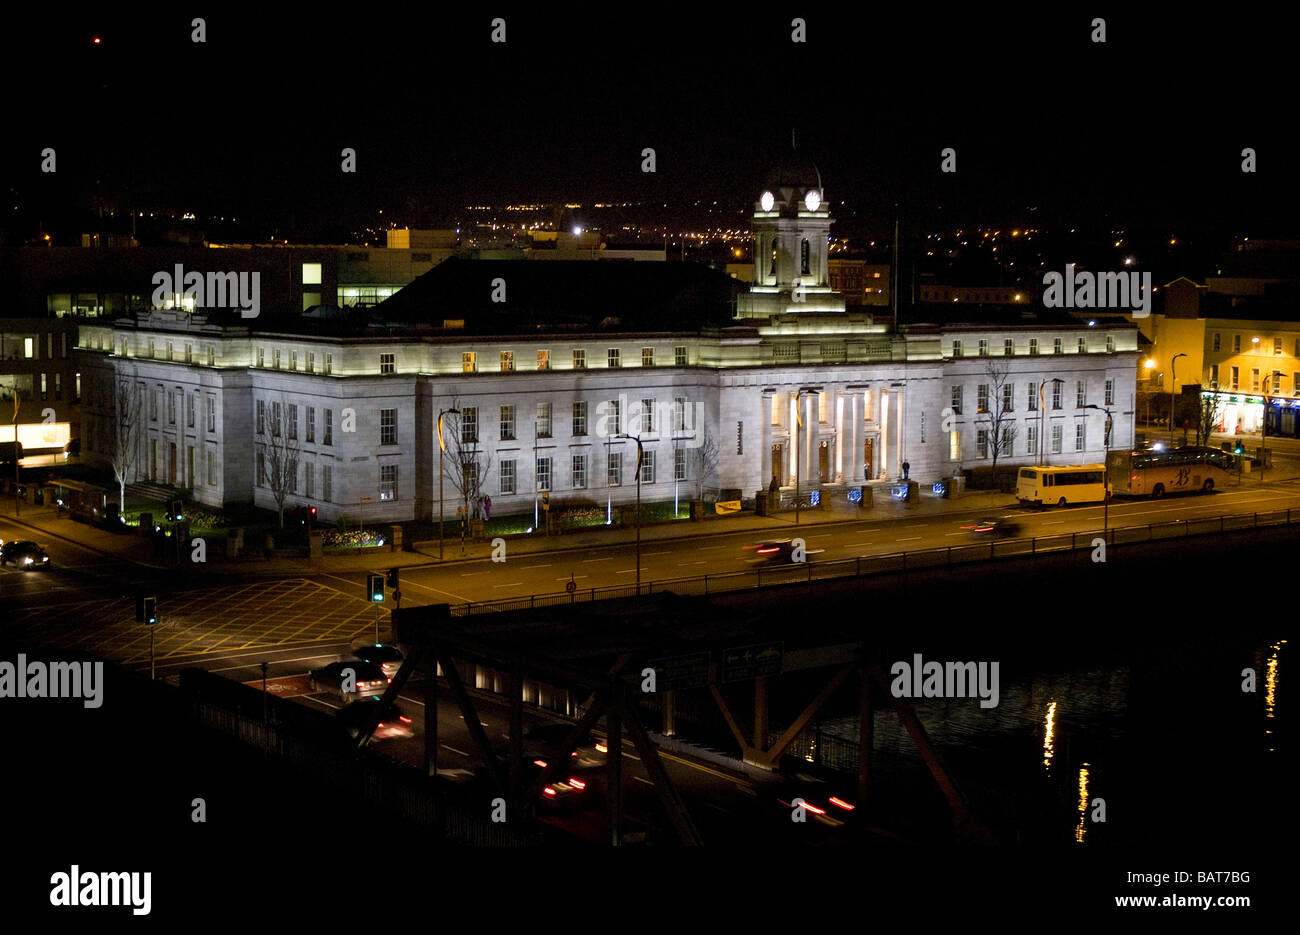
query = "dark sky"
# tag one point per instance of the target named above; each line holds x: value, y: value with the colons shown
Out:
x: 1146, y: 129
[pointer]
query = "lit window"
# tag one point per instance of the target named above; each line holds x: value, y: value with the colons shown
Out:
x: 614, y: 357
x: 468, y: 362
x: 507, y: 361
x: 311, y: 274
x: 387, y: 363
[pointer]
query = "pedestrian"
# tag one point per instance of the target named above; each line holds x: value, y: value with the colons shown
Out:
x: 487, y: 507
x: 906, y: 467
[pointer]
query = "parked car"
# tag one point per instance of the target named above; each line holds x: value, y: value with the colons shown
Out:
x: 24, y: 554
x: 998, y: 527
x: 367, y: 679
x: 388, y: 658
x: 392, y: 721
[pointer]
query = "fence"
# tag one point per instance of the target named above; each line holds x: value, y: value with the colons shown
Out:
x: 897, y: 563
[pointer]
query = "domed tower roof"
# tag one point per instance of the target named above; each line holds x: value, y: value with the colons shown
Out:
x: 796, y: 171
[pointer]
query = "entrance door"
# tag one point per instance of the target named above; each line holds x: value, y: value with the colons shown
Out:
x: 171, y: 464
x: 778, y: 459
x: 869, y: 458
x: 824, y: 461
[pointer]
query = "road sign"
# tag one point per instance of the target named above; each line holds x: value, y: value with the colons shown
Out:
x: 571, y: 586
x: 690, y: 670
x: 742, y: 663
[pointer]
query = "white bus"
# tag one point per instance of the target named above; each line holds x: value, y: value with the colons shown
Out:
x: 1156, y: 473
x: 1083, y: 483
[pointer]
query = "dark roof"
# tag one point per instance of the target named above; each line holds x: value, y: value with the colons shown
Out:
x: 564, y: 295
x: 795, y: 170
x: 1279, y: 302
x: 1027, y: 314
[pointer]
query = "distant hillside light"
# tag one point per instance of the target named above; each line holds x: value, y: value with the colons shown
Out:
x: 577, y: 231
x: 96, y: 40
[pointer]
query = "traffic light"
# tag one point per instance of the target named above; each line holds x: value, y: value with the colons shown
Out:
x: 392, y: 578
x: 311, y: 517
x: 375, y: 585
x: 146, y: 609
x: 175, y: 511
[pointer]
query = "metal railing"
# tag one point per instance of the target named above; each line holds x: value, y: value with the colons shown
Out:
x: 895, y: 562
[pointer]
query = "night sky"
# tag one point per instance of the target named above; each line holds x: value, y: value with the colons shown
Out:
x: 1050, y: 128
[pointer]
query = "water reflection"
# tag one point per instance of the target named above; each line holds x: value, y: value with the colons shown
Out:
x: 1270, y: 687
x: 1081, y: 829
x: 1049, y: 738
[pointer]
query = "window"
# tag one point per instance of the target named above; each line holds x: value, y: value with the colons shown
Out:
x: 1083, y: 345
x: 1080, y: 394
x: 261, y: 417
x: 679, y: 355
x: 803, y: 257
x: 507, y: 423
x: 327, y: 436
x: 579, y: 359
x: 614, y: 469
x: 1080, y: 435
x: 614, y: 359
x: 212, y: 355
x: 956, y: 348
x: 261, y: 469
x: 171, y: 406
x: 647, y: 466
x: 293, y: 361
x: 679, y: 464
x: 388, y: 482
x: 275, y: 419
x: 327, y: 482
x: 1007, y: 448
x: 1214, y: 375
x: 275, y: 358
x: 309, y: 478
x: 293, y: 422
x: 1218, y: 341
x: 679, y: 412
x: 58, y: 386
x: 954, y: 445
x: 614, y: 420
x: 468, y: 362
x: 1277, y: 347
x: 291, y: 469
x: 311, y: 425
x: 469, y: 424
x: 1110, y: 393
x: 1254, y: 379
x: 647, y: 357
x: 1008, y: 347
x: 1235, y: 372
x: 1236, y: 344
x: 647, y: 415
x: 153, y: 352
x: 189, y: 353
x: 1008, y: 397
x: 44, y: 391
x: 1295, y: 380
x: 507, y: 361
x: 506, y: 478
x: 1031, y: 439
x: 190, y: 406
x: 1031, y: 400
x: 387, y: 363
x: 212, y: 468
x: 1110, y: 344
x: 212, y: 414
x: 329, y: 362
x: 63, y: 345
x: 1033, y: 347
x: 388, y: 426
x: 1297, y: 348
x: 1056, y: 439
x: 170, y: 349
x: 1056, y: 346
x: 982, y: 398
x: 956, y: 400
x: 984, y: 348
x: 311, y: 361
x: 1056, y: 394
x: 578, y: 470
x: 543, y: 474
x: 543, y: 420
x: 982, y: 443
x: 543, y: 360
x: 311, y: 274
x: 579, y: 418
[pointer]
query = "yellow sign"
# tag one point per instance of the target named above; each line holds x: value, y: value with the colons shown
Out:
x: 723, y: 507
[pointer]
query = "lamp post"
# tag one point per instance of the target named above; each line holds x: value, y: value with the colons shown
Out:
x: 1173, y: 390
x: 1150, y: 363
x: 1042, y: 406
x: 798, y: 400
x: 1263, y: 424
x: 1105, y: 478
x: 442, y: 446
x: 640, y: 452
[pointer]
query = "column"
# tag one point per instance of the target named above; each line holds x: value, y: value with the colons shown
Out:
x: 809, y: 467
x: 841, y: 438
x: 899, y: 454
x: 765, y: 447
x: 856, y: 408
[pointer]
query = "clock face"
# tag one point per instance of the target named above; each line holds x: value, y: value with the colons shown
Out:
x: 766, y: 200
x: 813, y: 200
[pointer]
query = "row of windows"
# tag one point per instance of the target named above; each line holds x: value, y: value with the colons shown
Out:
x: 169, y: 349
x: 613, y: 358
x: 1031, y: 396
x: 1009, y: 347
x: 1272, y: 381
x: 1006, y: 448
x: 265, y: 478
x: 646, y: 419
x: 26, y: 386
x: 544, y: 477
x: 27, y: 347
x: 387, y: 422
x: 1217, y: 344
x: 309, y: 361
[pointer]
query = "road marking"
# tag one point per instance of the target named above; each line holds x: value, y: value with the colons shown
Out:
x: 711, y: 548
x: 1055, y: 522
x: 630, y: 571
x: 522, y: 567
x: 588, y: 561
x: 692, y: 563
x: 859, y: 545
x: 908, y: 539
x: 917, y: 526
x: 471, y: 574
x: 575, y: 576
x: 513, y: 584
x: 658, y: 553
x: 644, y: 780
x: 453, y: 749
x: 956, y: 533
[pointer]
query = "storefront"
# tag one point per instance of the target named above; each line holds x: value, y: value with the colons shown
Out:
x: 1242, y: 414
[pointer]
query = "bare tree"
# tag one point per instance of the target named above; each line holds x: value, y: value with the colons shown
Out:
x: 704, y: 460
x: 466, y: 465
x: 278, y: 450
x: 1208, y: 415
x: 1002, y: 424
x: 124, y: 447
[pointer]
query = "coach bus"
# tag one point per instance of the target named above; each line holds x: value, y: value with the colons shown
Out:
x: 1156, y: 473
x: 1080, y: 483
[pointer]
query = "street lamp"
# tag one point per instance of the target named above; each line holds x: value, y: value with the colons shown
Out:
x: 1105, y: 475
x: 442, y: 446
x: 1173, y: 389
x: 1263, y: 424
x: 798, y: 444
x: 640, y: 453
x: 1042, y: 404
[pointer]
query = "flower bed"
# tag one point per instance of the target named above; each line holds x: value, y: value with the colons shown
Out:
x: 354, y: 539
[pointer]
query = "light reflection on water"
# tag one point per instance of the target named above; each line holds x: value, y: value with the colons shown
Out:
x: 1081, y: 829
x: 1049, y: 737
x: 1270, y: 688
